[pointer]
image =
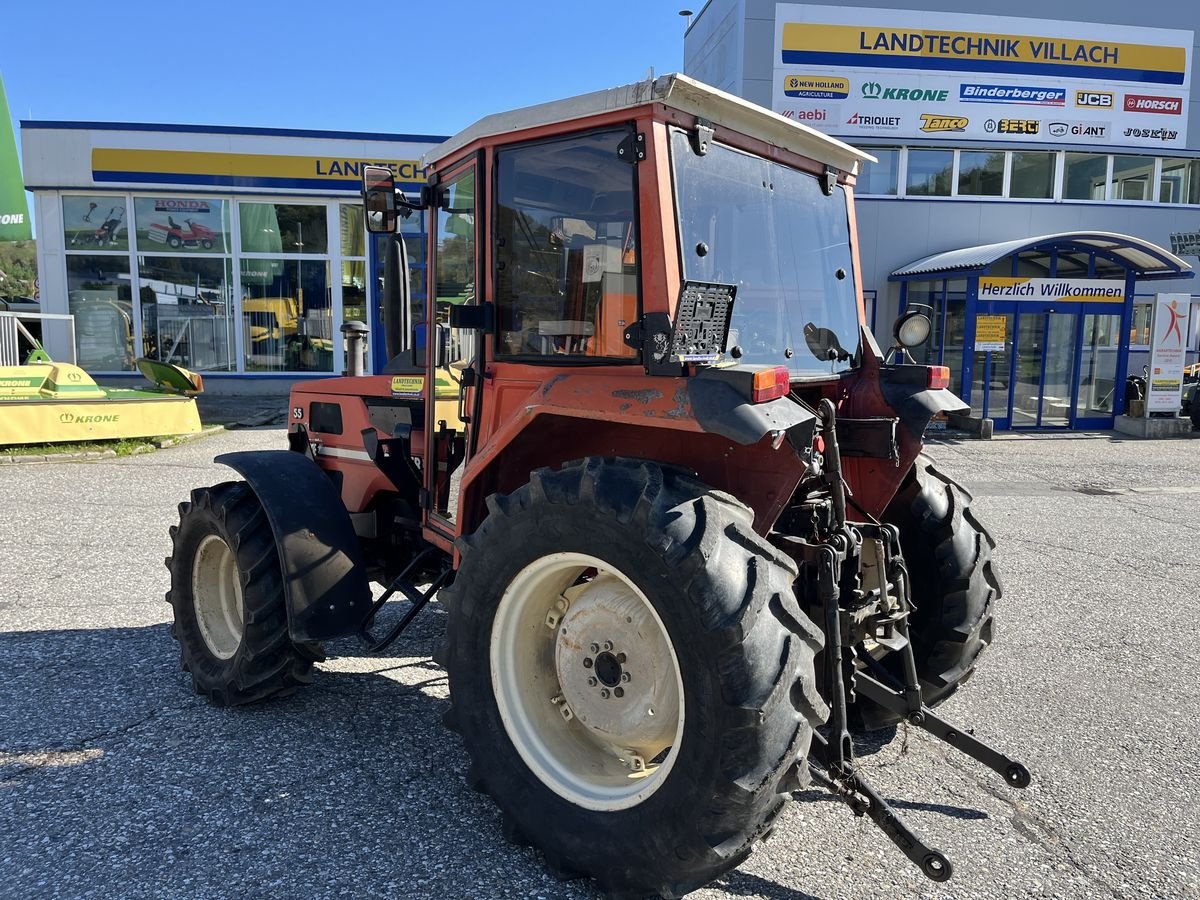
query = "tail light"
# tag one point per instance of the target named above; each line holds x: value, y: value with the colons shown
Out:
x: 938, y: 378
x: 770, y: 384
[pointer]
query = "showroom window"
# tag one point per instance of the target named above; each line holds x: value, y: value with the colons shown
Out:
x: 1132, y: 177
x: 880, y: 178
x: 930, y: 173
x: 99, y: 289
x: 185, y: 283
x: 981, y: 173
x: 1086, y: 175
x: 1180, y: 181
x: 286, y: 301
x: 353, y: 240
x: 1032, y: 176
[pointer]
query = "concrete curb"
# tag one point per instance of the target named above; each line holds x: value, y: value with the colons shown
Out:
x: 108, y: 453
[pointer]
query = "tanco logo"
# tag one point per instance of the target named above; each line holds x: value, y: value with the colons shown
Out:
x: 930, y: 122
x: 72, y: 419
x: 873, y: 90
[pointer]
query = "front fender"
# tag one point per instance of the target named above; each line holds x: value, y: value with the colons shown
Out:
x: 324, y: 579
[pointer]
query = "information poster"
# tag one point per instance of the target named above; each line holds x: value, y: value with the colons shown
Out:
x: 990, y: 334
x: 1164, y: 390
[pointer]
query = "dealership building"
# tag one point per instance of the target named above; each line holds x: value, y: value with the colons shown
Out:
x: 1038, y: 181
x: 1037, y: 187
x: 236, y: 252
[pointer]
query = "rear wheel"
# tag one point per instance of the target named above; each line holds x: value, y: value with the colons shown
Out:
x: 953, y: 584
x: 227, y: 596
x: 630, y: 673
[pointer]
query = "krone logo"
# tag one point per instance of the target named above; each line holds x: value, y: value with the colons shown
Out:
x: 66, y: 418
x: 932, y: 123
x: 872, y: 89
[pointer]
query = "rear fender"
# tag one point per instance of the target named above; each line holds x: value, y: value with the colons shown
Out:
x: 324, y: 578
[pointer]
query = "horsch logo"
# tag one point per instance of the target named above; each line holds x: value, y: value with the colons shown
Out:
x: 1170, y: 106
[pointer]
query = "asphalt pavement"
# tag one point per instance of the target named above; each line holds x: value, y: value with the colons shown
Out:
x: 116, y: 781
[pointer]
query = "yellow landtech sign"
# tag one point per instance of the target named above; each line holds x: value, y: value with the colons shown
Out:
x: 994, y: 52
x: 407, y: 385
x: 239, y: 169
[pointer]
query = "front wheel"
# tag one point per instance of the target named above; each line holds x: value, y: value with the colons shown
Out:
x: 630, y: 673
x: 227, y: 596
x: 953, y: 583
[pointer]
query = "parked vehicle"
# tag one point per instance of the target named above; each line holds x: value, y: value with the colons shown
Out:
x: 678, y: 510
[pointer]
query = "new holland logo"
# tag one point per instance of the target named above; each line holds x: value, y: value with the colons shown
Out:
x: 72, y: 419
x: 932, y: 123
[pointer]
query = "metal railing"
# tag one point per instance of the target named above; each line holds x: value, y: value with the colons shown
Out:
x: 12, y: 331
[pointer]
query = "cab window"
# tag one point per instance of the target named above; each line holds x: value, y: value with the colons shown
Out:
x: 566, y: 249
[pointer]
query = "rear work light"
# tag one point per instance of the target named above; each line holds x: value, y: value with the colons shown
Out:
x: 939, y: 377
x: 770, y: 384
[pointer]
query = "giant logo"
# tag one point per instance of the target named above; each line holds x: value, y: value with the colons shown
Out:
x: 942, y: 124
x: 873, y: 90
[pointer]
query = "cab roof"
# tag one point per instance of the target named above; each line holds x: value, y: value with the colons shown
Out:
x: 677, y: 92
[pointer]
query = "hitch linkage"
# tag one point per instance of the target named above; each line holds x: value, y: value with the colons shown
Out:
x: 834, y: 754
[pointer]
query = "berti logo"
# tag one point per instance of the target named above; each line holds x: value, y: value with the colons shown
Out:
x: 1019, y: 126
x: 72, y: 419
x: 933, y: 123
x: 873, y: 90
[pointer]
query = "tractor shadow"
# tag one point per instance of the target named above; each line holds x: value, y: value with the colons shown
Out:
x: 116, y: 779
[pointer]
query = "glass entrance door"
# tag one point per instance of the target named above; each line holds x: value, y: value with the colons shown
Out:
x: 1044, y: 369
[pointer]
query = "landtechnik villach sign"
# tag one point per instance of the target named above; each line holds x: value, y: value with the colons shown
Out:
x: 852, y: 71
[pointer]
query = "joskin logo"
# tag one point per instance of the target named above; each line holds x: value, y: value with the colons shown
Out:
x: 935, y: 124
x: 72, y: 419
x: 816, y: 87
x: 873, y: 90
x: 1011, y: 93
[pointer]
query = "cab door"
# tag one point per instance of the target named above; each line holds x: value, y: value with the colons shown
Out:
x: 454, y: 268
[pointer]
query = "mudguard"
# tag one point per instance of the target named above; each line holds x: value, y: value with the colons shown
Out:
x: 324, y: 579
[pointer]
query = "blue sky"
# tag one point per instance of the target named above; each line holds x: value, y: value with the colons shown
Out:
x: 429, y: 68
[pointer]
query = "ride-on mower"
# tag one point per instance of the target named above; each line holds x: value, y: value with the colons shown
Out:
x: 677, y: 508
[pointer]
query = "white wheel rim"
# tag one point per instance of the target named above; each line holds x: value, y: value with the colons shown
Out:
x: 217, y: 596
x: 587, y: 681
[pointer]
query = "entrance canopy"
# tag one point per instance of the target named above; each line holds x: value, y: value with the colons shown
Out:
x: 1094, y: 254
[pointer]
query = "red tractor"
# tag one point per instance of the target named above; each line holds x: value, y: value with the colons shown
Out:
x: 673, y: 499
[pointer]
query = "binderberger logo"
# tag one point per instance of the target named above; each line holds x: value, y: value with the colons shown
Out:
x: 72, y: 419
x: 932, y: 123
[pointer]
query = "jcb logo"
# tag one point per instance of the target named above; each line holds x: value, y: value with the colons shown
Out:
x: 1095, y: 99
x: 1019, y: 126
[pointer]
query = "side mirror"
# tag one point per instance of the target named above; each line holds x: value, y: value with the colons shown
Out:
x: 379, y: 199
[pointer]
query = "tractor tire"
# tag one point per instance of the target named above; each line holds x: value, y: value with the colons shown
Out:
x: 227, y: 596
x: 953, y: 584
x: 631, y: 674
